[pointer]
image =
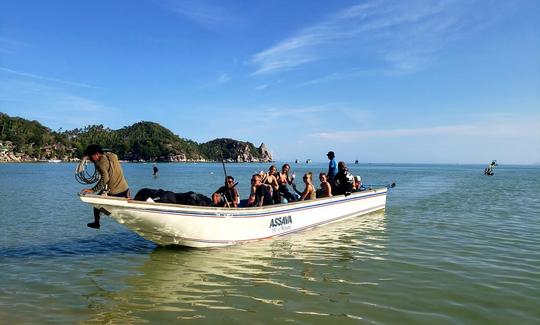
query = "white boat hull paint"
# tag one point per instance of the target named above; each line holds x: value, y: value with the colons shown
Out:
x: 194, y: 226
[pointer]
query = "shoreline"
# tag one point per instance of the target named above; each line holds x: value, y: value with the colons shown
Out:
x: 142, y: 162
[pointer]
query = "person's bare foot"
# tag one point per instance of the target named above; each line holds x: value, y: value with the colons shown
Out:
x: 93, y: 225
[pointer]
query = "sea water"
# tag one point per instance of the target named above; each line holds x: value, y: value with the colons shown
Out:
x: 452, y: 247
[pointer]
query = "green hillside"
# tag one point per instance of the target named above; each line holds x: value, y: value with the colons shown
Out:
x: 146, y: 141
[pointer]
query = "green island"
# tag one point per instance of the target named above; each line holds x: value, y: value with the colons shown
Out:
x: 22, y: 140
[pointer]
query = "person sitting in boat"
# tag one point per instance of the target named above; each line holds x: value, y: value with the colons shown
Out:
x: 111, y: 182
x: 357, y: 183
x: 271, y: 179
x: 260, y: 194
x: 344, y: 180
x: 326, y: 188
x: 283, y: 179
x: 309, y: 192
x: 227, y: 195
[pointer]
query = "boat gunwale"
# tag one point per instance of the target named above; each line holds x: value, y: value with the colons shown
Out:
x: 221, y: 212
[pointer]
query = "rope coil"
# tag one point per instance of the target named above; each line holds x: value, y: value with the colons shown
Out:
x: 83, y: 176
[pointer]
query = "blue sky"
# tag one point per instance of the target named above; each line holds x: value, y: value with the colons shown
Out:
x: 378, y: 81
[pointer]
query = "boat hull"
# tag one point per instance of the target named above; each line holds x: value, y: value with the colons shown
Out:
x: 193, y: 226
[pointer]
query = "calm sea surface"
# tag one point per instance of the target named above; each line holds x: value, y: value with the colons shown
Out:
x: 452, y: 247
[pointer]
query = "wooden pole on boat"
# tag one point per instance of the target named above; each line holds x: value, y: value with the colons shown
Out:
x: 225, y: 172
x: 223, y: 163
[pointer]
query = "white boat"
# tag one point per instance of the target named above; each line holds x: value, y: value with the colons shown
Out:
x: 196, y: 226
x: 54, y: 161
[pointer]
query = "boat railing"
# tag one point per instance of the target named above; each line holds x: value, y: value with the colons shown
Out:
x: 232, y: 209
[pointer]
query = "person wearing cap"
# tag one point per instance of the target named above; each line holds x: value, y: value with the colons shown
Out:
x: 332, y: 167
x: 111, y: 179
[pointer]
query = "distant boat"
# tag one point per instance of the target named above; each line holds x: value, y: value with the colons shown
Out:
x: 308, y: 161
x: 297, y: 161
x: 356, y: 161
x: 54, y: 160
x: 488, y: 171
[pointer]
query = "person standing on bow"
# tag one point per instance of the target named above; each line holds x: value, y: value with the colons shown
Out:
x: 111, y: 182
x: 332, y: 167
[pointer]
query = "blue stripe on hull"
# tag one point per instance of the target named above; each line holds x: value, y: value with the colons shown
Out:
x: 228, y: 241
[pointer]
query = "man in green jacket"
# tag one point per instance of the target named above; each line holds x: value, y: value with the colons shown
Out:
x: 111, y: 182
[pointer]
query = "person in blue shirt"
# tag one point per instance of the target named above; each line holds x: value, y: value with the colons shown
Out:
x: 332, y: 167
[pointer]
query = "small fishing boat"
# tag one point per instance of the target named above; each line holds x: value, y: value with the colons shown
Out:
x: 54, y: 161
x: 197, y: 226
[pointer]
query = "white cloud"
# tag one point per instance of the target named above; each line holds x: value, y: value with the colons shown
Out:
x: 52, y: 106
x: 281, y: 124
x: 9, y: 46
x: 221, y: 79
x: 200, y: 12
x: 403, y: 34
x: 338, y: 76
x: 491, y: 128
x: 42, y: 78
x: 261, y: 87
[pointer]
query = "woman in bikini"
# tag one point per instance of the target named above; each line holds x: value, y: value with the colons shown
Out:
x: 271, y: 179
x: 309, y: 191
x: 326, y: 189
x: 283, y: 179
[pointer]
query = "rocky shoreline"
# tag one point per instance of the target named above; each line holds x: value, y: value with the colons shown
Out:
x: 8, y: 156
x: 28, y: 141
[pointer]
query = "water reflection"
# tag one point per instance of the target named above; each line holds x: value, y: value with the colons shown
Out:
x: 263, y: 280
x: 122, y: 242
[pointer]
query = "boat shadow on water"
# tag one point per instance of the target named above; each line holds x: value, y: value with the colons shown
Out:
x: 103, y: 244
